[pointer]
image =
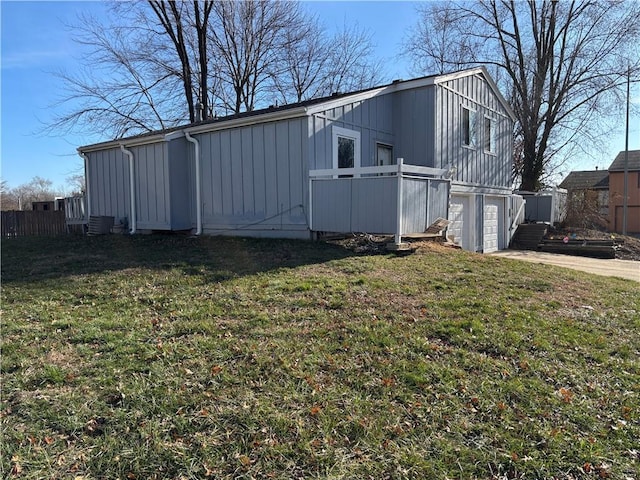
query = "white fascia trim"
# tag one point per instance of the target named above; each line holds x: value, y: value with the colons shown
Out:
x: 358, y: 97
x: 461, y: 74
x: 459, y: 187
x: 344, y: 100
x: 482, y: 70
x: 250, y: 120
x: 210, y: 127
x: 133, y: 142
x: 173, y: 135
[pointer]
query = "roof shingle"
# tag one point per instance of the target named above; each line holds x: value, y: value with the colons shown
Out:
x: 634, y: 162
x: 586, y: 180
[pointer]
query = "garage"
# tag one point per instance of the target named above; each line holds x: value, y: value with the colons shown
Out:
x: 460, y: 218
x: 493, y: 224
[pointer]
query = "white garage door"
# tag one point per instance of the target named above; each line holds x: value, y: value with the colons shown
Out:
x: 459, y: 218
x: 492, y: 220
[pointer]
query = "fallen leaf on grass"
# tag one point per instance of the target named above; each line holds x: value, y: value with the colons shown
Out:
x: 388, y: 382
x: 216, y: 369
x: 565, y: 394
x: 315, y: 410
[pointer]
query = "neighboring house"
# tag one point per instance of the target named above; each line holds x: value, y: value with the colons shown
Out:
x: 587, y: 198
x: 616, y: 192
x: 387, y: 160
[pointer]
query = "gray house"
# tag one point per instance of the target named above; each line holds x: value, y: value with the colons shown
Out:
x: 387, y: 160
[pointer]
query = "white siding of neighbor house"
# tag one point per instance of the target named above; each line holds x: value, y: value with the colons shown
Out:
x: 253, y: 178
x: 473, y: 165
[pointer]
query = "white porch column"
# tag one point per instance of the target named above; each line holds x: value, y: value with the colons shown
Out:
x: 398, y: 237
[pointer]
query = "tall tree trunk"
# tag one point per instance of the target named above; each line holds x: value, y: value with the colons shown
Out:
x: 169, y: 15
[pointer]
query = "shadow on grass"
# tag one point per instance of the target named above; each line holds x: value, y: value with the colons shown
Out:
x: 217, y: 259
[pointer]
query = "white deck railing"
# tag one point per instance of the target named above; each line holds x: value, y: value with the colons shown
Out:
x: 391, y: 199
x: 401, y: 168
x: 75, y: 212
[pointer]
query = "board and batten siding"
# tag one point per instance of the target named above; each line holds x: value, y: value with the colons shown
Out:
x: 414, y: 128
x: 370, y: 204
x: 108, y: 184
x: 473, y: 165
x: 160, y: 182
x: 153, y: 208
x: 254, y: 178
x: 423, y: 201
x: 372, y: 118
x: 355, y: 204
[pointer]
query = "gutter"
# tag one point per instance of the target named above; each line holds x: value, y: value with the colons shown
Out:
x: 196, y: 144
x: 132, y: 188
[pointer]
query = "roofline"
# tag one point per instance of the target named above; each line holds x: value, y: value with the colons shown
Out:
x: 131, y: 142
x: 194, y: 129
x: 305, y: 109
x: 398, y: 86
x: 622, y: 169
x: 485, y: 73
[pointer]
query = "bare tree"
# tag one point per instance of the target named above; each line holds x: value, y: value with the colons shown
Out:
x: 77, y: 184
x: 316, y: 65
x: 350, y: 65
x: 8, y: 199
x: 201, y: 18
x: 130, y: 83
x: 563, y: 63
x: 247, y: 36
x: 158, y: 64
x: 21, y: 197
x: 435, y: 45
x: 303, y: 60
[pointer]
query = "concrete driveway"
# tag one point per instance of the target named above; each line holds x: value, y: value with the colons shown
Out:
x: 610, y: 268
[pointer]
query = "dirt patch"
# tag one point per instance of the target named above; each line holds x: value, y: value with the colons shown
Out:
x: 377, y: 244
x: 629, y: 249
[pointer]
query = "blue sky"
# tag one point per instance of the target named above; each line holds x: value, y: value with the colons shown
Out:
x: 36, y: 42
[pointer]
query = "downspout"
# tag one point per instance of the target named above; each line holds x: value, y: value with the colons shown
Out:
x: 87, y: 213
x: 132, y: 188
x: 196, y: 144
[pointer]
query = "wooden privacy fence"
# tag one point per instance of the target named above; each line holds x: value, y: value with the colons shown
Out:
x: 30, y: 223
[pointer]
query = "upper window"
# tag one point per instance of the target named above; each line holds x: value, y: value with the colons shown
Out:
x: 346, y: 148
x: 468, y: 127
x: 489, y: 135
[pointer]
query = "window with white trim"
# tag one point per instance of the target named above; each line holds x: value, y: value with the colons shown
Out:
x: 489, y: 135
x: 346, y: 148
x: 468, y: 127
